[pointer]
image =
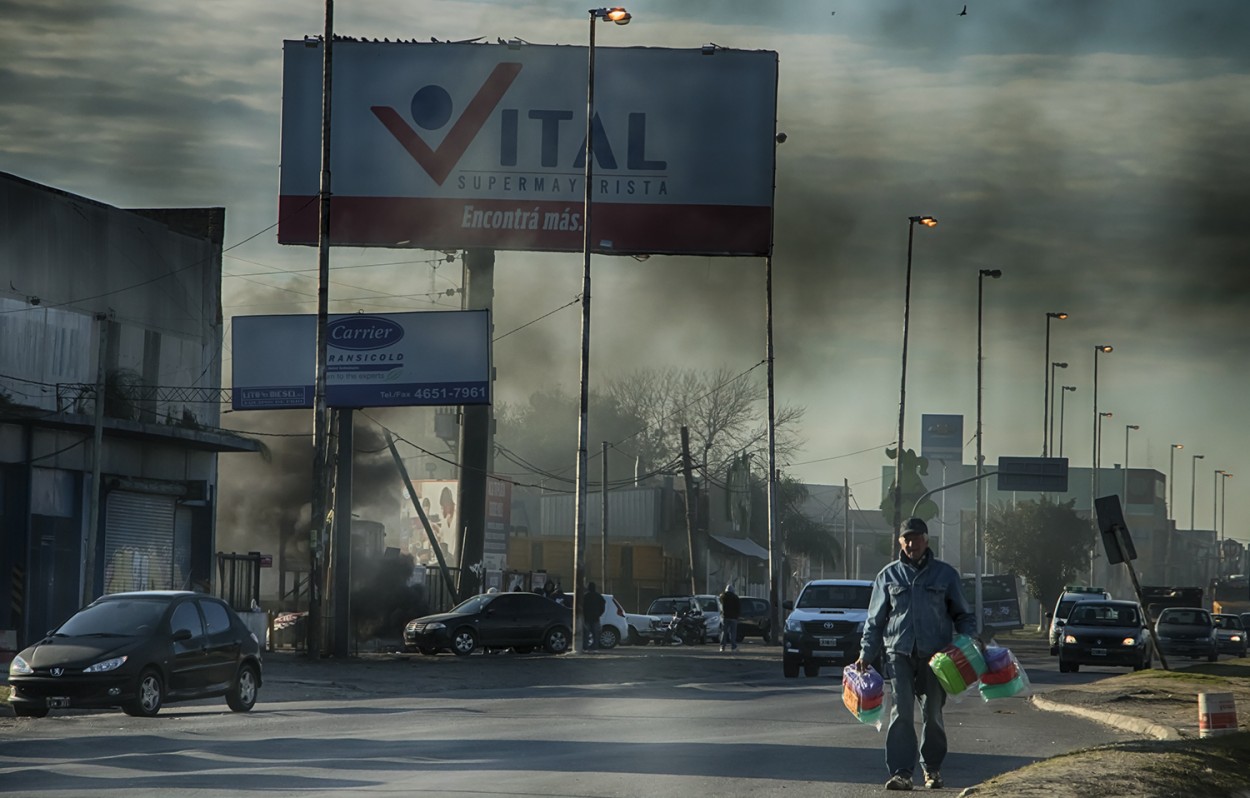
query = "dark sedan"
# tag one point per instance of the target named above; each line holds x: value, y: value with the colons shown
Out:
x: 1187, y: 631
x: 1230, y: 634
x: 1105, y: 633
x: 755, y: 619
x: 520, y: 621
x: 139, y: 651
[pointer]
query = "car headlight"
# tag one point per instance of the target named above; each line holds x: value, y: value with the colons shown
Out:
x: 1235, y: 638
x: 105, y: 666
x: 794, y: 625
x: 19, y: 667
x: 435, y: 626
x: 1069, y: 638
x: 1129, y: 641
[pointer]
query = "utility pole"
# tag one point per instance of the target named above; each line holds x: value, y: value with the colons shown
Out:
x: 846, y: 530
x: 475, y: 437
x: 691, y: 497
x: 603, y: 554
x: 97, y: 462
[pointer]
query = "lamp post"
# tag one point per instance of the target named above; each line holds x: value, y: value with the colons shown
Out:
x: 1223, y: 495
x: 912, y: 221
x: 1048, y: 399
x: 1063, y: 394
x: 1171, y: 481
x: 1049, y: 445
x: 979, y: 536
x: 1101, y: 416
x: 1127, y: 429
x: 1215, y: 502
x: 1193, y: 481
x: 621, y: 17
x: 1093, y: 471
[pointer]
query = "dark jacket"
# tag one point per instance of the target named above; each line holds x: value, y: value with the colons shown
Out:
x: 592, y: 605
x: 730, y: 606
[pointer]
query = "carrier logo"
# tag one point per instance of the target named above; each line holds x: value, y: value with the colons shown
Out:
x: 364, y: 332
x: 431, y: 109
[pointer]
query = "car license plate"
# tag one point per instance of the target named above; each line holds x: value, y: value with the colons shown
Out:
x: 827, y: 654
x: 1098, y: 652
x: 58, y: 702
x: 828, y: 642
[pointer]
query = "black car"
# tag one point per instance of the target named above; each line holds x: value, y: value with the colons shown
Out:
x: 139, y: 651
x: 1110, y: 633
x: 520, y: 621
x: 1187, y: 631
x: 755, y: 619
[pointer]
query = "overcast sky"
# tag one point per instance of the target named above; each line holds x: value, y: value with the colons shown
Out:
x: 1095, y: 151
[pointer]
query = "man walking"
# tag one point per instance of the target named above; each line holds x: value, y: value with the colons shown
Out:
x: 916, y: 608
x: 593, y: 605
x: 730, y: 611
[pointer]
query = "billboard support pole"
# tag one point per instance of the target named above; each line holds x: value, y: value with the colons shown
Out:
x: 425, y: 520
x: 320, y: 431
x: 342, y: 530
x: 475, y: 439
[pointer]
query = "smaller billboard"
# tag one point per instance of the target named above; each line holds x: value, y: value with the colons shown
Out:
x: 372, y: 360
x: 1040, y: 474
x: 941, y: 438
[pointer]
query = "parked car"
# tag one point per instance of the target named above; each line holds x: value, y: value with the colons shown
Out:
x: 825, y: 625
x: 139, y: 651
x: 1105, y: 633
x: 520, y: 621
x: 613, y: 626
x: 642, y: 629
x: 1230, y: 634
x: 756, y: 619
x: 1071, y: 595
x: 709, y: 605
x: 665, y: 607
x: 1187, y: 631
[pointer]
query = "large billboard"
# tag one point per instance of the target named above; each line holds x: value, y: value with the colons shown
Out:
x: 450, y: 146
x: 437, y: 357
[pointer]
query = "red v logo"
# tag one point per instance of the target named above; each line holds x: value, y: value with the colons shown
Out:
x: 438, y: 163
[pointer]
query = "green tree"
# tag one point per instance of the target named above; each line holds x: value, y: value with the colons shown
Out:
x: 1044, y: 542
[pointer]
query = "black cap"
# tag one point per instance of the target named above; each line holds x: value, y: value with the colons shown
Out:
x: 913, y: 526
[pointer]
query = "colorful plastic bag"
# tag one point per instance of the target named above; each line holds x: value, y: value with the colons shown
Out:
x: 863, y: 693
x: 1006, y: 682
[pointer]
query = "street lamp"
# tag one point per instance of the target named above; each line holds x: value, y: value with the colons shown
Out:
x: 1048, y: 399
x: 1171, y: 481
x: 912, y: 221
x: 979, y: 536
x: 1101, y: 416
x: 1215, y: 502
x: 1093, y: 471
x: 1049, y: 435
x: 1193, y: 482
x: 1127, y: 428
x: 1063, y: 394
x: 1223, y: 495
x: 621, y: 17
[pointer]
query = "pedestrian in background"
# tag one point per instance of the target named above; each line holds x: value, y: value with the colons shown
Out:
x: 592, y: 607
x: 916, y: 608
x: 730, y: 611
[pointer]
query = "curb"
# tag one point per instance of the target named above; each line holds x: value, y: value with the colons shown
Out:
x: 1124, y: 722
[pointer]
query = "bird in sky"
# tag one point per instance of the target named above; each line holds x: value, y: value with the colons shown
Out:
x: 964, y: 13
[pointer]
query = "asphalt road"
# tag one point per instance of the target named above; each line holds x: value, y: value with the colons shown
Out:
x: 635, y: 721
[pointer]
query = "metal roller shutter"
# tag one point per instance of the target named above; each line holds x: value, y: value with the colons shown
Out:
x: 139, y: 549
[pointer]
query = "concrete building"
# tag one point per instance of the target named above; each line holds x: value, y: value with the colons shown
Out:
x: 98, y: 302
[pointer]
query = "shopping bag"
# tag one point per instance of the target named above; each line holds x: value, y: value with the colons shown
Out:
x: 863, y: 693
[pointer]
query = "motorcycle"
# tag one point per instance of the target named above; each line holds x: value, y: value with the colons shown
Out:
x: 688, y: 627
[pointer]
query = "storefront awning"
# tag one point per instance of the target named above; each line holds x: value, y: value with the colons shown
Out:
x: 743, y: 546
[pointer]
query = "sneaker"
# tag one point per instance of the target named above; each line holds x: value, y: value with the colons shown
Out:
x: 899, y: 781
x: 722, y: 649
x: 933, y: 780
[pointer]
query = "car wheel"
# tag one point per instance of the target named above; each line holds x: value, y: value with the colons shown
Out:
x: 790, y: 668
x: 811, y: 669
x: 31, y: 712
x: 242, y: 695
x: 1063, y: 666
x: 429, y: 651
x: 1213, y: 656
x: 463, y: 642
x: 557, y: 640
x: 149, y: 695
x: 609, y: 637
x: 766, y: 636
x: 740, y: 636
